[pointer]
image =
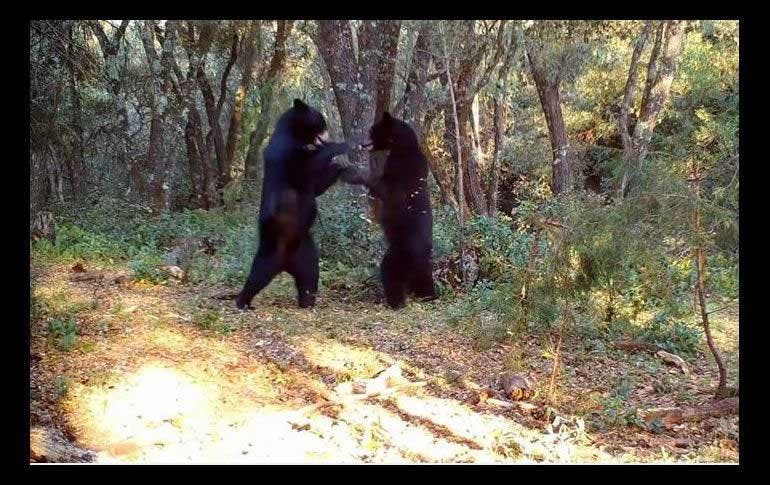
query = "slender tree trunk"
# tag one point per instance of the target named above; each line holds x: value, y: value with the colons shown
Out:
x: 628, y: 97
x: 112, y: 71
x: 460, y: 191
x: 700, y: 288
x: 494, y: 175
x: 76, y: 165
x: 250, y: 58
x: 198, y: 159
x: 652, y: 64
x: 548, y: 92
x: 214, y: 112
x: 656, y: 95
x: 414, y: 110
x: 253, y: 163
x: 661, y: 88
x: 500, y: 110
x: 160, y: 69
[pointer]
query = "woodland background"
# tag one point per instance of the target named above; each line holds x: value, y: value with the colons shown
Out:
x: 584, y: 183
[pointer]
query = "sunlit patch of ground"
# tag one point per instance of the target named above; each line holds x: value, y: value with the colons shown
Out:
x: 164, y: 374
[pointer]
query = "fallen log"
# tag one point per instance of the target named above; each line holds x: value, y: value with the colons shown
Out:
x: 674, y: 360
x: 715, y: 409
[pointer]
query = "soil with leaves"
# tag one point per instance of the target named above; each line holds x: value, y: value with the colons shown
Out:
x: 124, y: 371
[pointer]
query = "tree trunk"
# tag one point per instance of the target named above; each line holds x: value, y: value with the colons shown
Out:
x: 499, y: 113
x: 214, y: 111
x: 112, y: 71
x: 494, y: 175
x: 250, y: 58
x: 335, y: 45
x: 700, y: 267
x: 628, y: 97
x: 391, y: 31
x: 652, y: 64
x: 253, y: 165
x: 660, y: 90
x: 656, y: 95
x: 458, y: 151
x: 414, y: 110
x: 548, y: 92
x: 378, y: 46
x: 76, y: 165
x: 198, y: 159
x: 160, y: 69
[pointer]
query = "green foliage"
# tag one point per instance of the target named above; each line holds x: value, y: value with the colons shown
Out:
x: 63, y: 332
x: 145, y: 265
x: 504, y: 250
x: 62, y: 385
x: 612, y: 264
x: 615, y: 411
x: 492, y: 311
x: 208, y: 319
x: 73, y: 242
x: 673, y: 335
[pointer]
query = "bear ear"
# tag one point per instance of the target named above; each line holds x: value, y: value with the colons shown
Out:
x: 386, y: 116
x: 299, y: 104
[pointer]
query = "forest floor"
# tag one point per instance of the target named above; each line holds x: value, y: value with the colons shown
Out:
x: 132, y: 372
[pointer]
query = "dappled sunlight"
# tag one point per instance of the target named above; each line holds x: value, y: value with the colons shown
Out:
x: 484, y: 429
x: 153, y: 407
x: 341, y: 358
x: 159, y: 386
x: 377, y: 427
x: 159, y: 414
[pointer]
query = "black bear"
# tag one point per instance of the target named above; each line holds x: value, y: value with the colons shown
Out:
x: 298, y: 168
x: 405, y: 211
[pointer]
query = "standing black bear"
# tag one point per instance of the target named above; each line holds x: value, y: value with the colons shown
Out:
x: 298, y: 168
x: 405, y: 212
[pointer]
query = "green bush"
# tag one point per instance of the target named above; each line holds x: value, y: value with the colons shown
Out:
x: 673, y: 335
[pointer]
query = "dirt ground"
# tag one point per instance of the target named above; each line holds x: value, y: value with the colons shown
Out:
x: 167, y: 374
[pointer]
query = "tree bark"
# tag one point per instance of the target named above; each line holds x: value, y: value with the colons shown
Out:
x: 660, y: 89
x: 500, y: 111
x: 378, y: 47
x: 268, y: 81
x: 75, y: 160
x: 214, y: 106
x: 334, y: 42
x: 250, y: 58
x: 656, y: 95
x: 494, y: 172
x: 415, y: 113
x: 548, y: 92
x: 469, y: 79
x: 460, y: 196
x: 652, y: 64
x: 198, y: 153
x: 110, y: 48
x: 160, y: 70
x: 628, y: 96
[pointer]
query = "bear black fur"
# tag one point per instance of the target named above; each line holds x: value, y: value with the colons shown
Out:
x: 405, y: 211
x: 298, y: 167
